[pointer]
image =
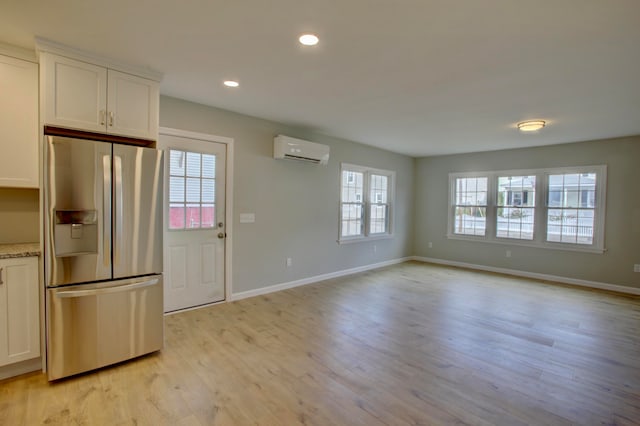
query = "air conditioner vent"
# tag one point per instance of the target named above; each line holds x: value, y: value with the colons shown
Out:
x: 285, y: 147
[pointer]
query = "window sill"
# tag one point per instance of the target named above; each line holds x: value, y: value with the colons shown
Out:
x: 530, y: 244
x: 365, y: 239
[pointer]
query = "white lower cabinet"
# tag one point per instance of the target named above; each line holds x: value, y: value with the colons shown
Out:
x: 19, y: 310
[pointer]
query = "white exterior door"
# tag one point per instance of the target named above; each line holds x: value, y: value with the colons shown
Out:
x: 195, y: 228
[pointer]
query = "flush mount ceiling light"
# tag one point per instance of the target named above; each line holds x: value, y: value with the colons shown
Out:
x: 309, y: 39
x: 531, y: 126
x: 231, y: 83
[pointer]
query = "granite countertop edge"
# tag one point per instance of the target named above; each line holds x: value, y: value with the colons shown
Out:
x: 11, y: 251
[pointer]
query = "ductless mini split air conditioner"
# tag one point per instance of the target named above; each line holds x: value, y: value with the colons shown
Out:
x: 285, y: 147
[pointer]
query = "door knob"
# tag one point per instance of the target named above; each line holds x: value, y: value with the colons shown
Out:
x: 221, y: 234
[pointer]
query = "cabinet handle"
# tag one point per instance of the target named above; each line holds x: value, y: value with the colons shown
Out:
x: 1, y: 282
x: 111, y: 118
x: 102, y: 117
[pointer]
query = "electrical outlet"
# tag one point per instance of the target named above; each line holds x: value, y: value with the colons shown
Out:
x: 636, y: 267
x: 508, y: 253
x: 289, y: 262
x: 430, y: 244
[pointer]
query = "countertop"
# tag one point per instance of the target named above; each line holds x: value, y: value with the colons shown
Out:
x: 8, y: 251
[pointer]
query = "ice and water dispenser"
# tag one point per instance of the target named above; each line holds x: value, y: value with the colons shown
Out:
x: 76, y: 232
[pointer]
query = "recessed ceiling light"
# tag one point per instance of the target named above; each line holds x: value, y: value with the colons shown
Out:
x: 231, y: 83
x: 309, y: 39
x: 531, y: 126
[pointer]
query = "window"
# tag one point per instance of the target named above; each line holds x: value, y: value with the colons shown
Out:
x: 191, y: 190
x: 572, y: 206
x: 516, y: 207
x: 365, y: 202
x: 352, y: 206
x: 378, y: 206
x: 470, y: 206
x: 554, y: 208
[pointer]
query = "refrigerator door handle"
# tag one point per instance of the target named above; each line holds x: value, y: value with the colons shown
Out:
x: 117, y: 243
x: 106, y: 290
x: 106, y: 210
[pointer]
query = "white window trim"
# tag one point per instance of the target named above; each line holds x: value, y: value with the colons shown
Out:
x: 541, y: 208
x: 367, y: 171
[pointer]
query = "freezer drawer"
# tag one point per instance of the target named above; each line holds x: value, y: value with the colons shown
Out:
x: 93, y: 325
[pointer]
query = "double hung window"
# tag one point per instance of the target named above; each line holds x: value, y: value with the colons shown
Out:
x: 555, y: 208
x: 516, y: 203
x: 572, y: 207
x: 470, y: 208
x: 366, y: 201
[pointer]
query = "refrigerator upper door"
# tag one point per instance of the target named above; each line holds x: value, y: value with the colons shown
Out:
x: 78, y: 212
x: 137, y: 211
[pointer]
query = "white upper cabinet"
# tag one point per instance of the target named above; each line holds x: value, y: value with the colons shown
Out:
x: 75, y: 93
x: 84, y: 96
x: 18, y: 123
x: 20, y: 308
x: 133, y: 105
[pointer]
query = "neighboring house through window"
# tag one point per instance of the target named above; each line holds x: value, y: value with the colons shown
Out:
x: 191, y: 190
x: 572, y: 207
x: 554, y: 208
x: 516, y: 207
x: 470, y: 205
x: 366, y: 201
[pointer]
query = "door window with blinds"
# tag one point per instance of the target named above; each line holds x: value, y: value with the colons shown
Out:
x: 191, y: 190
x: 365, y: 202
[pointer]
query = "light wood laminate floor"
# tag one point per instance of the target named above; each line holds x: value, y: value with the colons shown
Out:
x: 405, y: 345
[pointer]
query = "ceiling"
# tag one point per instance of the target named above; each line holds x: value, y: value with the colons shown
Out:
x: 418, y: 77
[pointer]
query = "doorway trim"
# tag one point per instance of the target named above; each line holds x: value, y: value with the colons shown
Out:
x: 228, y: 246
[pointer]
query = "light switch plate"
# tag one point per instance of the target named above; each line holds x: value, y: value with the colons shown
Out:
x: 247, y: 217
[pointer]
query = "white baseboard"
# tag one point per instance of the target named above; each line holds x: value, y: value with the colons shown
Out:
x: 535, y: 275
x: 314, y: 279
x: 193, y: 308
x: 19, y: 368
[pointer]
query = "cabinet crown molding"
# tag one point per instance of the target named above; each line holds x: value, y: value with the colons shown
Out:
x: 18, y: 52
x: 45, y: 45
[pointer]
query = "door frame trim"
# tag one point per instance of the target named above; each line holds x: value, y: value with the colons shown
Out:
x: 228, y: 245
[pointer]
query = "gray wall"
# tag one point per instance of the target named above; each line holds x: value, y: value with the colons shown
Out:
x: 622, y: 228
x: 296, y: 204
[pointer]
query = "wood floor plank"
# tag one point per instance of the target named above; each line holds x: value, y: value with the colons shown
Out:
x: 411, y: 344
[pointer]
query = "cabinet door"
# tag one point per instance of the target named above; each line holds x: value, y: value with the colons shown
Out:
x: 18, y: 123
x: 133, y: 105
x: 75, y: 93
x: 20, y: 304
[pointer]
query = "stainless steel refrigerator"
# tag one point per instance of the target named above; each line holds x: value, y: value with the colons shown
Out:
x: 103, y: 253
